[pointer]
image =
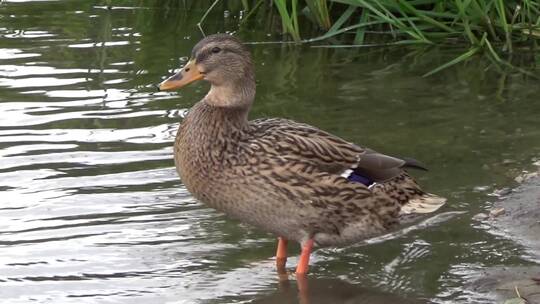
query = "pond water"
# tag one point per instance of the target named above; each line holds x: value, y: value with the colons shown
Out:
x: 92, y: 210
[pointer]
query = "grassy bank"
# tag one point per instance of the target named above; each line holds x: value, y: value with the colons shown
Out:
x: 496, y: 28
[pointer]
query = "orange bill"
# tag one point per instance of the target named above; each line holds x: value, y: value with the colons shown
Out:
x: 188, y: 74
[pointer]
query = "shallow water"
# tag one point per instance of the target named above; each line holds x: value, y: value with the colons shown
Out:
x: 92, y: 210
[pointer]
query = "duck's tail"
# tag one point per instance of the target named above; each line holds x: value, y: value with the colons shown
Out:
x: 422, y: 204
x: 404, y: 190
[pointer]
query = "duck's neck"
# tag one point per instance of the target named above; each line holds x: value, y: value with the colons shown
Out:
x: 233, y: 94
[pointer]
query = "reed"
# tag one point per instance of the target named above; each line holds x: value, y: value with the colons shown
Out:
x: 288, y: 10
x: 492, y: 27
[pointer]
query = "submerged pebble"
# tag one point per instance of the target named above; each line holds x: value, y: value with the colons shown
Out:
x: 497, y: 212
x: 501, y: 192
x: 480, y: 217
x: 525, y: 177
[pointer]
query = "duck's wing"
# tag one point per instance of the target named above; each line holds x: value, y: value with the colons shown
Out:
x: 333, y: 178
x: 329, y: 153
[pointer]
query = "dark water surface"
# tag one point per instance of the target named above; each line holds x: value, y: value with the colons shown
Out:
x: 92, y: 210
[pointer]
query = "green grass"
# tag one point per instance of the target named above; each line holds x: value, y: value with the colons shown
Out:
x: 495, y: 28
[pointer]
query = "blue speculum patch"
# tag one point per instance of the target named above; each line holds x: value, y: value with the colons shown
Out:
x: 356, y: 177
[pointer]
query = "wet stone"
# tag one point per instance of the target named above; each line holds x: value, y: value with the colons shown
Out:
x: 480, y: 217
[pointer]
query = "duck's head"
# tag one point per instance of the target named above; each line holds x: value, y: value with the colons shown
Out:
x: 223, y: 61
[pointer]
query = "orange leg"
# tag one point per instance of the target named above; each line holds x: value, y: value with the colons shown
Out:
x: 281, y: 254
x: 303, y: 264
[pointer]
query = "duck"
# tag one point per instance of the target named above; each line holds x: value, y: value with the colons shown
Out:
x: 287, y: 178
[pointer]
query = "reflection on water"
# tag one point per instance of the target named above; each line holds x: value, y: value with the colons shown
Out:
x: 313, y: 290
x: 92, y: 209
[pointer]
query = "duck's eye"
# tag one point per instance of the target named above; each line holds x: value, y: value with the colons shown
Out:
x: 216, y: 50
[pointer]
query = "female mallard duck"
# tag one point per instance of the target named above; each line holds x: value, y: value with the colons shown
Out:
x: 291, y: 179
